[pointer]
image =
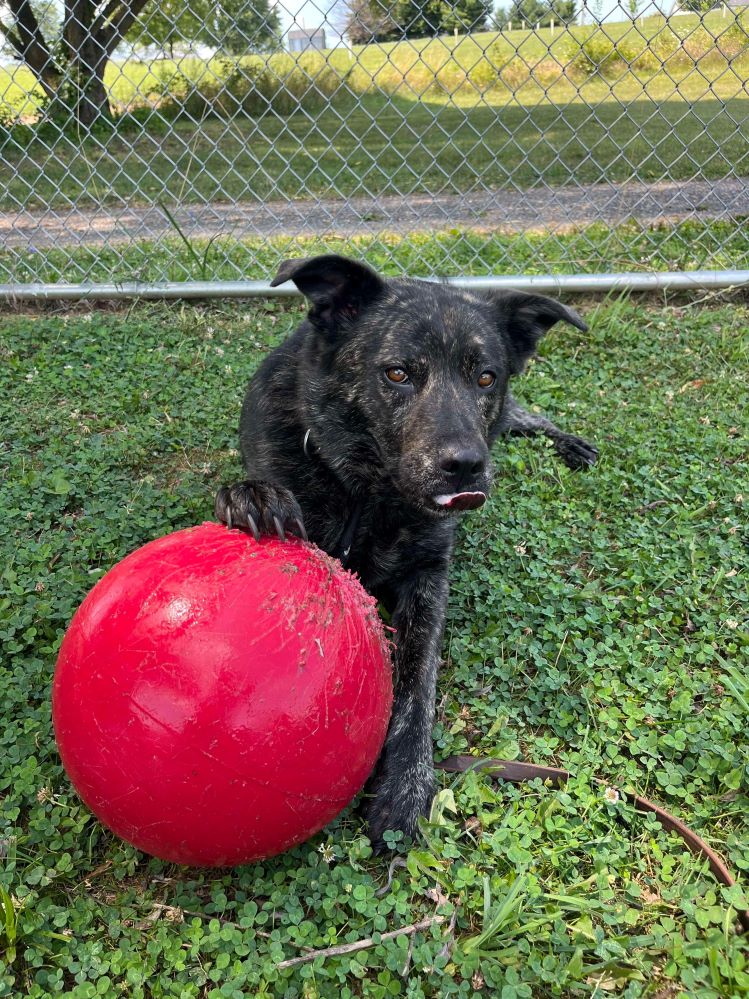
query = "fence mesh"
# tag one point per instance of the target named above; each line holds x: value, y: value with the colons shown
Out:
x: 193, y: 140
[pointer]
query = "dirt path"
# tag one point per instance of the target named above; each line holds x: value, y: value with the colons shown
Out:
x: 505, y: 210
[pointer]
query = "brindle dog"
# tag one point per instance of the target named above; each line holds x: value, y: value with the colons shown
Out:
x: 370, y: 428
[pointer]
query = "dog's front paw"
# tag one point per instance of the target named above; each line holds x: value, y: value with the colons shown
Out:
x: 260, y: 507
x: 575, y: 452
x: 396, y: 802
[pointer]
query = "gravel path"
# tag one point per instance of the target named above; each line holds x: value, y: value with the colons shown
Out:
x: 505, y: 210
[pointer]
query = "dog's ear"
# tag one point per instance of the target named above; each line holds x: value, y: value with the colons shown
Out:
x: 525, y: 317
x: 337, y: 288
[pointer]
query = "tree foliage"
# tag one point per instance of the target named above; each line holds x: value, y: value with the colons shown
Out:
x: 167, y: 25
x: 541, y: 12
x: 237, y: 26
x: 699, y: 6
x: 234, y: 26
x: 376, y: 20
x: 369, y: 21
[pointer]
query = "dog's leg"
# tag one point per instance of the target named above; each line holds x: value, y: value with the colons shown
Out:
x: 402, y: 785
x: 259, y: 507
x: 575, y: 452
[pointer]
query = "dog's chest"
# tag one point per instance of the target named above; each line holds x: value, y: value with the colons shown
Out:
x: 370, y: 544
x: 388, y: 546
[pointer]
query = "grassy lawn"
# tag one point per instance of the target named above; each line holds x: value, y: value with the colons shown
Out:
x: 596, y: 248
x: 598, y: 621
x: 537, y: 44
x: 387, y: 145
x: 408, y: 118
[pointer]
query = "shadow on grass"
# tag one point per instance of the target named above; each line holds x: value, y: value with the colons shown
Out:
x: 380, y: 145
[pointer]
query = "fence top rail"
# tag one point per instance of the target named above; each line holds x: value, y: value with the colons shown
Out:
x: 623, y: 281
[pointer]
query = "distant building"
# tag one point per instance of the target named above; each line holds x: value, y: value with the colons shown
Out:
x: 301, y: 39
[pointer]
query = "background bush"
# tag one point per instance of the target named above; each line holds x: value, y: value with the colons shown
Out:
x: 252, y: 86
x: 668, y: 49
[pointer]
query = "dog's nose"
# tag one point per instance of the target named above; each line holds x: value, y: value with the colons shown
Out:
x: 463, y: 463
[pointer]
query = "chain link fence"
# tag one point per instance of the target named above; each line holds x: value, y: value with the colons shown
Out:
x: 190, y: 144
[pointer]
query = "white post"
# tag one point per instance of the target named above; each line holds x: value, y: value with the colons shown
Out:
x: 551, y: 25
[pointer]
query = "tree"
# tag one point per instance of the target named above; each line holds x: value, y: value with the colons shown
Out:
x: 418, y: 18
x: 698, y: 6
x: 421, y: 18
x: 47, y: 17
x: 500, y: 19
x: 167, y: 24
x: 235, y: 26
x: 368, y: 21
x: 466, y: 15
x: 69, y: 64
x: 542, y: 12
x: 564, y: 11
x: 69, y: 60
x: 529, y: 12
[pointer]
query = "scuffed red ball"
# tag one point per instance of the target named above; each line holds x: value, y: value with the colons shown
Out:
x: 218, y: 700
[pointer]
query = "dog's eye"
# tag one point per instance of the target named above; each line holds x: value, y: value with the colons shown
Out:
x: 397, y: 375
x: 486, y: 379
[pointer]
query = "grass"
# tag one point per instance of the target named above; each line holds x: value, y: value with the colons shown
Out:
x: 631, y: 247
x: 597, y: 621
x: 385, y: 146
x: 533, y: 44
x: 412, y: 116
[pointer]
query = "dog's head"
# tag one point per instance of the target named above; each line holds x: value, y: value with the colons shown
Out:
x: 405, y: 380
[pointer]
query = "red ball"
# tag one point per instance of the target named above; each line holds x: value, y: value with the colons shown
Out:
x: 218, y: 700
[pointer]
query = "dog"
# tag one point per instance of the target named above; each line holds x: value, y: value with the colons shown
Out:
x: 369, y: 431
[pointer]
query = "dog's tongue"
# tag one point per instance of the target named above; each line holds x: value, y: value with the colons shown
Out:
x: 460, y: 501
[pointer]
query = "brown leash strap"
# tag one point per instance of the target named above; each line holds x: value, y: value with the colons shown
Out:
x: 518, y: 773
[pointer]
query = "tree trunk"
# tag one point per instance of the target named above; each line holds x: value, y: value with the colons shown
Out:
x: 86, y: 58
x: 28, y: 43
x: 73, y: 78
x: 91, y: 102
x: 50, y: 82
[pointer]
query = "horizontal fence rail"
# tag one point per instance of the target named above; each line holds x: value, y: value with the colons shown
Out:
x: 183, y: 149
x: 549, y: 283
